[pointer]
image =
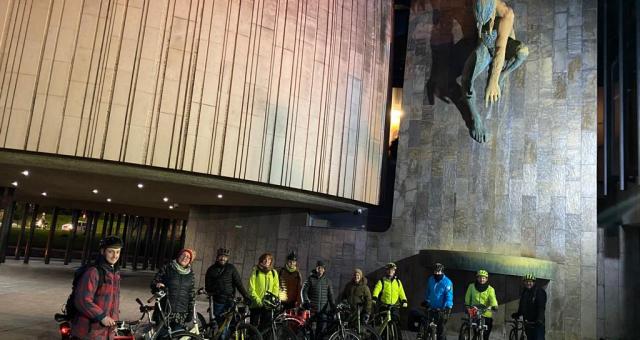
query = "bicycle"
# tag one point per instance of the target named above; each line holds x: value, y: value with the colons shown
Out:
x: 155, y: 330
x: 278, y: 328
x: 517, y: 328
x: 351, y: 326
x: 473, y: 326
x: 386, y: 324
x: 428, y: 329
x: 234, y: 322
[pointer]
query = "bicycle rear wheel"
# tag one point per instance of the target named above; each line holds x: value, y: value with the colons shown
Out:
x: 185, y: 335
x: 245, y: 331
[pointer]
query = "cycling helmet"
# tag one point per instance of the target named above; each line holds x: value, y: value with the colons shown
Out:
x: 438, y: 267
x: 270, y: 301
x: 391, y: 265
x: 111, y: 242
x: 292, y: 256
x: 224, y: 252
x: 529, y: 277
x: 482, y: 272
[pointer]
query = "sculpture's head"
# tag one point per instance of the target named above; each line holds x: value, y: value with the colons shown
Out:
x: 484, y: 11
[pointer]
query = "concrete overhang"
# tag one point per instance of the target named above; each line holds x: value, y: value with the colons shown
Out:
x: 493, y: 263
x: 69, y: 182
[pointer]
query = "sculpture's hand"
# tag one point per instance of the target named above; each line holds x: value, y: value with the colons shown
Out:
x: 492, y: 94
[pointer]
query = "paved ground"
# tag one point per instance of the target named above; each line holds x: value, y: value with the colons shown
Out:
x: 31, y: 294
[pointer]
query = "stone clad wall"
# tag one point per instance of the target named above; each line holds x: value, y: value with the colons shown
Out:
x: 529, y: 191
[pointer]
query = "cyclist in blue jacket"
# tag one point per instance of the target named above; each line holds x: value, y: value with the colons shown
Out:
x: 439, y: 295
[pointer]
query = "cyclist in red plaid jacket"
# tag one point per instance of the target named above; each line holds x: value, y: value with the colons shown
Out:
x: 98, y: 310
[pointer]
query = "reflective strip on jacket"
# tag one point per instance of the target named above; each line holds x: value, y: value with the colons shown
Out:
x: 260, y: 283
x: 389, y: 291
x: 488, y: 298
x: 439, y: 294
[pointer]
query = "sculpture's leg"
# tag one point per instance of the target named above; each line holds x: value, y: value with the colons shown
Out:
x: 516, y: 55
x: 476, y: 63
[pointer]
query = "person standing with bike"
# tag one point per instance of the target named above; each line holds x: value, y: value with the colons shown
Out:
x: 533, y: 301
x: 98, y: 309
x: 221, y: 282
x: 317, y: 295
x: 263, y: 280
x: 290, y: 282
x: 358, y: 295
x: 481, y: 293
x: 177, y: 279
x: 389, y: 290
x: 439, y: 296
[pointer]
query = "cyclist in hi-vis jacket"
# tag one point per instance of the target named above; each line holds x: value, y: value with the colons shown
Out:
x: 389, y: 291
x: 481, y: 293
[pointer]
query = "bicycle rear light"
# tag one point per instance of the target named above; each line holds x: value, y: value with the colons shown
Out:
x: 65, y: 329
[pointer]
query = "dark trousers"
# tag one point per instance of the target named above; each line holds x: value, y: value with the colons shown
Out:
x: 489, y: 323
x: 534, y: 333
x: 260, y: 317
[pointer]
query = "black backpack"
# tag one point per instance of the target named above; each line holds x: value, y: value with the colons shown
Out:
x: 70, y: 309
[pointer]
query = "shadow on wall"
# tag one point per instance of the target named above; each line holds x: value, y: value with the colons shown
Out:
x: 453, y: 38
x: 414, y: 272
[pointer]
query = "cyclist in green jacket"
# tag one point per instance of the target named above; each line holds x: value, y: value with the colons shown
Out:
x: 388, y: 290
x: 263, y: 280
x: 481, y: 293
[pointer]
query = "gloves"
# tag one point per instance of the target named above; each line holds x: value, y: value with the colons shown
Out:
x: 515, y: 315
x: 424, y: 304
x: 404, y: 304
x: 374, y: 301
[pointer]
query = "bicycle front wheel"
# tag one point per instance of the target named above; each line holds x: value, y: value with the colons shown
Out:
x: 464, y: 333
x: 346, y: 334
x: 368, y: 333
x: 185, y: 335
x: 513, y: 334
x: 245, y: 331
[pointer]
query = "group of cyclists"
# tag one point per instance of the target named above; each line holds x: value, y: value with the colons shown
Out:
x: 96, y: 297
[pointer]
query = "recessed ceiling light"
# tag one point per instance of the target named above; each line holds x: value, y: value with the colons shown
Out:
x: 171, y: 207
x: 140, y: 185
x: 26, y: 172
x: 95, y: 191
x: 44, y: 193
x: 165, y: 199
x: 14, y: 183
x: 108, y: 200
x: 219, y: 195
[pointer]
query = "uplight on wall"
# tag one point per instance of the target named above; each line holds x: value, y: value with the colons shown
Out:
x: 396, y: 113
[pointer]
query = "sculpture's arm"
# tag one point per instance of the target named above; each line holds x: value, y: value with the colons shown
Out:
x: 505, y: 29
